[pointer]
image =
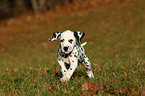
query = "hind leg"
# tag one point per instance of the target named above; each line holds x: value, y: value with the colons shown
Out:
x: 87, y: 64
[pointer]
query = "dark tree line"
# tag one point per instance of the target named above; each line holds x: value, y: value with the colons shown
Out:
x: 11, y: 7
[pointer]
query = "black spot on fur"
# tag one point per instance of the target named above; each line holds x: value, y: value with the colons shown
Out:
x: 70, y: 68
x: 83, y: 34
x: 76, y: 35
x: 82, y: 49
x: 54, y: 35
x: 67, y: 65
x: 75, y: 56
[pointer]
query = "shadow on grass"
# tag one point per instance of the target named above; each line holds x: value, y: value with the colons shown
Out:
x: 79, y: 74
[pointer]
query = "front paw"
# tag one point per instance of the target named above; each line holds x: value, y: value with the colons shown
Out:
x: 66, y: 77
x: 63, y: 79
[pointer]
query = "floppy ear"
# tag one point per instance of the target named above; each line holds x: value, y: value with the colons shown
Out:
x: 55, y: 36
x: 79, y: 35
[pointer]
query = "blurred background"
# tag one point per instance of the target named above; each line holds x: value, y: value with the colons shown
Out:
x: 9, y: 8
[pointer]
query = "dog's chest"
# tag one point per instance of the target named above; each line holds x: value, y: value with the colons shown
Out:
x: 77, y: 54
x: 66, y: 60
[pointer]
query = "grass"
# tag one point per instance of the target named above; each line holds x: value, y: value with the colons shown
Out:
x: 116, y: 42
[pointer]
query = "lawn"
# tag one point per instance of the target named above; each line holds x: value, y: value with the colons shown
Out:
x: 116, y: 47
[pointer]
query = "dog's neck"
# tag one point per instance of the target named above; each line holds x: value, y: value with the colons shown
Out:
x: 63, y: 54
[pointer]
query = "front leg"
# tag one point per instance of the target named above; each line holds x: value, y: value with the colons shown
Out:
x: 62, y: 65
x: 69, y: 73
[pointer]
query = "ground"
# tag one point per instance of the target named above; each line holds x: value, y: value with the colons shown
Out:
x: 116, y: 41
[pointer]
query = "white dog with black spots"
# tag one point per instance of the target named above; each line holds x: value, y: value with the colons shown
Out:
x: 71, y: 53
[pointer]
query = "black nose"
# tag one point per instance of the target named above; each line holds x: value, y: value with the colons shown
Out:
x: 65, y: 48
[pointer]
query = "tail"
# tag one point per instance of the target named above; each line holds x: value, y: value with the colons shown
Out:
x: 83, y: 44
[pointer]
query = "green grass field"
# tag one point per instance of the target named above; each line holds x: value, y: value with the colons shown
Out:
x: 116, y: 47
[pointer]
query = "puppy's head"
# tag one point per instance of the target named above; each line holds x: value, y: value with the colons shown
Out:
x: 68, y: 39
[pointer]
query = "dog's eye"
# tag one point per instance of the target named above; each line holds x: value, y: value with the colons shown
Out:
x: 70, y: 40
x: 62, y: 40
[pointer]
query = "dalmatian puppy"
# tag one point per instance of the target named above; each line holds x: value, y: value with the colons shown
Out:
x: 71, y: 53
